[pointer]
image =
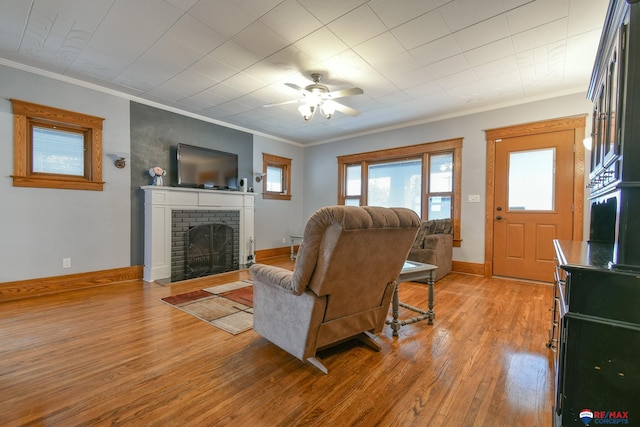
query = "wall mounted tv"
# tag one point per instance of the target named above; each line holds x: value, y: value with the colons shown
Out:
x: 206, y: 168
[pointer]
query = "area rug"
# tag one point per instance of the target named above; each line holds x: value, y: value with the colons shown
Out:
x: 228, y: 307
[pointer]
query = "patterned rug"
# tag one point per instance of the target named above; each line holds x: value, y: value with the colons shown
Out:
x: 228, y: 306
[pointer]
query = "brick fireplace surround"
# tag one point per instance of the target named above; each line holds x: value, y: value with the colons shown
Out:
x: 159, y: 204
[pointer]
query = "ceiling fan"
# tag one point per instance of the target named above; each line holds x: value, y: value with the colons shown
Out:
x: 317, y: 96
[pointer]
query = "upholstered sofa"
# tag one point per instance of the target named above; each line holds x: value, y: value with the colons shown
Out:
x: 434, y: 245
x: 342, y: 283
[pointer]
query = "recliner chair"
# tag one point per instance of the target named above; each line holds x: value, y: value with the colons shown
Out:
x: 342, y: 283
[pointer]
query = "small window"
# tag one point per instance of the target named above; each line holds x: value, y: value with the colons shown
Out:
x: 55, y: 148
x: 277, y: 181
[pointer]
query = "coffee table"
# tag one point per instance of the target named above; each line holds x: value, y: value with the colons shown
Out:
x: 411, y: 271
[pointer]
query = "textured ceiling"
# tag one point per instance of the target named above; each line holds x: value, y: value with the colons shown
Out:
x: 416, y: 60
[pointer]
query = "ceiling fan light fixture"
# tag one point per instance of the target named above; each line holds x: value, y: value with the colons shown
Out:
x: 318, y: 97
x: 327, y: 109
x: 307, y: 111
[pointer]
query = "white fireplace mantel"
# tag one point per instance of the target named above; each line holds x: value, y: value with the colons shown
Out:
x: 159, y: 202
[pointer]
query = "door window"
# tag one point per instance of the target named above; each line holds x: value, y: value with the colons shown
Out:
x: 532, y: 180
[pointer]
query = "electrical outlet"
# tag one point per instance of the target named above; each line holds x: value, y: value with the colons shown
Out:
x: 66, y: 262
x: 284, y: 240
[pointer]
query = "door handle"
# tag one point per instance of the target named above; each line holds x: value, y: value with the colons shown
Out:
x: 498, y: 217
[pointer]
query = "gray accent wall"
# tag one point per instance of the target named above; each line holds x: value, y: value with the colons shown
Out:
x: 155, y: 134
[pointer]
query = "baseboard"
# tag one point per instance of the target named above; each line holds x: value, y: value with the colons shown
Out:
x: 50, y: 285
x: 273, y: 252
x: 468, y: 267
x: 457, y: 266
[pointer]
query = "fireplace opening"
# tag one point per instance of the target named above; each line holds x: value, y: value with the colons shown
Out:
x: 209, y: 250
x: 204, y: 242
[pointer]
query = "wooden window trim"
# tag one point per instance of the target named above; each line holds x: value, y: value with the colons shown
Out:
x: 279, y: 162
x: 411, y: 151
x: 25, y: 115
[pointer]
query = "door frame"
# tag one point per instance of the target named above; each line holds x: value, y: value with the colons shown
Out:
x: 575, y: 123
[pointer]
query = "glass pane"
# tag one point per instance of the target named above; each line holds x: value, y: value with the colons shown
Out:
x: 439, y: 207
x: 57, y: 151
x: 352, y: 202
x: 354, y: 179
x: 396, y: 184
x: 274, y: 179
x: 531, y: 180
x: 441, y: 173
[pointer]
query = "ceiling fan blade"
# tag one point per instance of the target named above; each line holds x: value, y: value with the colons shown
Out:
x: 293, y: 101
x: 295, y: 86
x: 344, y: 92
x: 344, y: 109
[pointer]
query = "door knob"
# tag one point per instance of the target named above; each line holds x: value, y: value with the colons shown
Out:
x: 499, y: 208
x: 498, y: 217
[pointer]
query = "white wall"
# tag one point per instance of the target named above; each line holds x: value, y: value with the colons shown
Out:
x: 321, y: 167
x: 277, y: 219
x: 39, y: 227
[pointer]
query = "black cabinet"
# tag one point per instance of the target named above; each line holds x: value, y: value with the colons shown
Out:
x: 615, y: 150
x: 597, y: 327
x: 595, y: 331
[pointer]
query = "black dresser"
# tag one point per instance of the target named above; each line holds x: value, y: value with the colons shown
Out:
x: 595, y: 331
x: 596, y: 337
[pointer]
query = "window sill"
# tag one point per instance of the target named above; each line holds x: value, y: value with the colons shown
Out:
x: 276, y: 196
x: 64, y: 184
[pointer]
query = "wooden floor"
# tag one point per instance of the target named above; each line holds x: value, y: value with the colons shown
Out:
x: 117, y: 355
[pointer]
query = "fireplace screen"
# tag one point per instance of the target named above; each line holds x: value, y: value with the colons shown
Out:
x: 209, y: 250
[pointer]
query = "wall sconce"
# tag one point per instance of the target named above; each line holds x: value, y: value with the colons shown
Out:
x: 259, y: 176
x: 119, y: 159
x: 121, y: 162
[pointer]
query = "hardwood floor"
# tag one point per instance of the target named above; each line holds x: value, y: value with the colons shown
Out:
x: 117, y: 355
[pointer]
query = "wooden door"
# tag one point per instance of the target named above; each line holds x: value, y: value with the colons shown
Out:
x: 533, y: 203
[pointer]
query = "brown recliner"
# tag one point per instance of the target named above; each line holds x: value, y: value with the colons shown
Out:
x: 434, y: 245
x: 342, y: 283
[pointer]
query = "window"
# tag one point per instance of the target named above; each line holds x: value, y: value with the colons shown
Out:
x: 353, y: 185
x: 424, y: 178
x: 530, y: 166
x: 440, y: 192
x: 56, y: 148
x: 395, y: 183
x: 277, y: 179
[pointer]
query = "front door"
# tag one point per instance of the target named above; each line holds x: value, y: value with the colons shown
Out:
x: 533, y: 202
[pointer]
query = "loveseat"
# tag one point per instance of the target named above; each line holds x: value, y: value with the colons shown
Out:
x: 434, y: 245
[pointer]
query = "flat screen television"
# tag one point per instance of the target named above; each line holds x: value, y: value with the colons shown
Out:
x: 206, y: 168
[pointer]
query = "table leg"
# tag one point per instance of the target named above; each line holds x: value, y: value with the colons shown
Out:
x: 395, y: 324
x: 430, y: 312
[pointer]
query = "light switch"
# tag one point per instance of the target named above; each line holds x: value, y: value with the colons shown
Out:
x: 473, y: 198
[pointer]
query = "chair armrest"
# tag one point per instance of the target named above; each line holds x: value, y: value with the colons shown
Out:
x: 432, y: 241
x: 274, y: 276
